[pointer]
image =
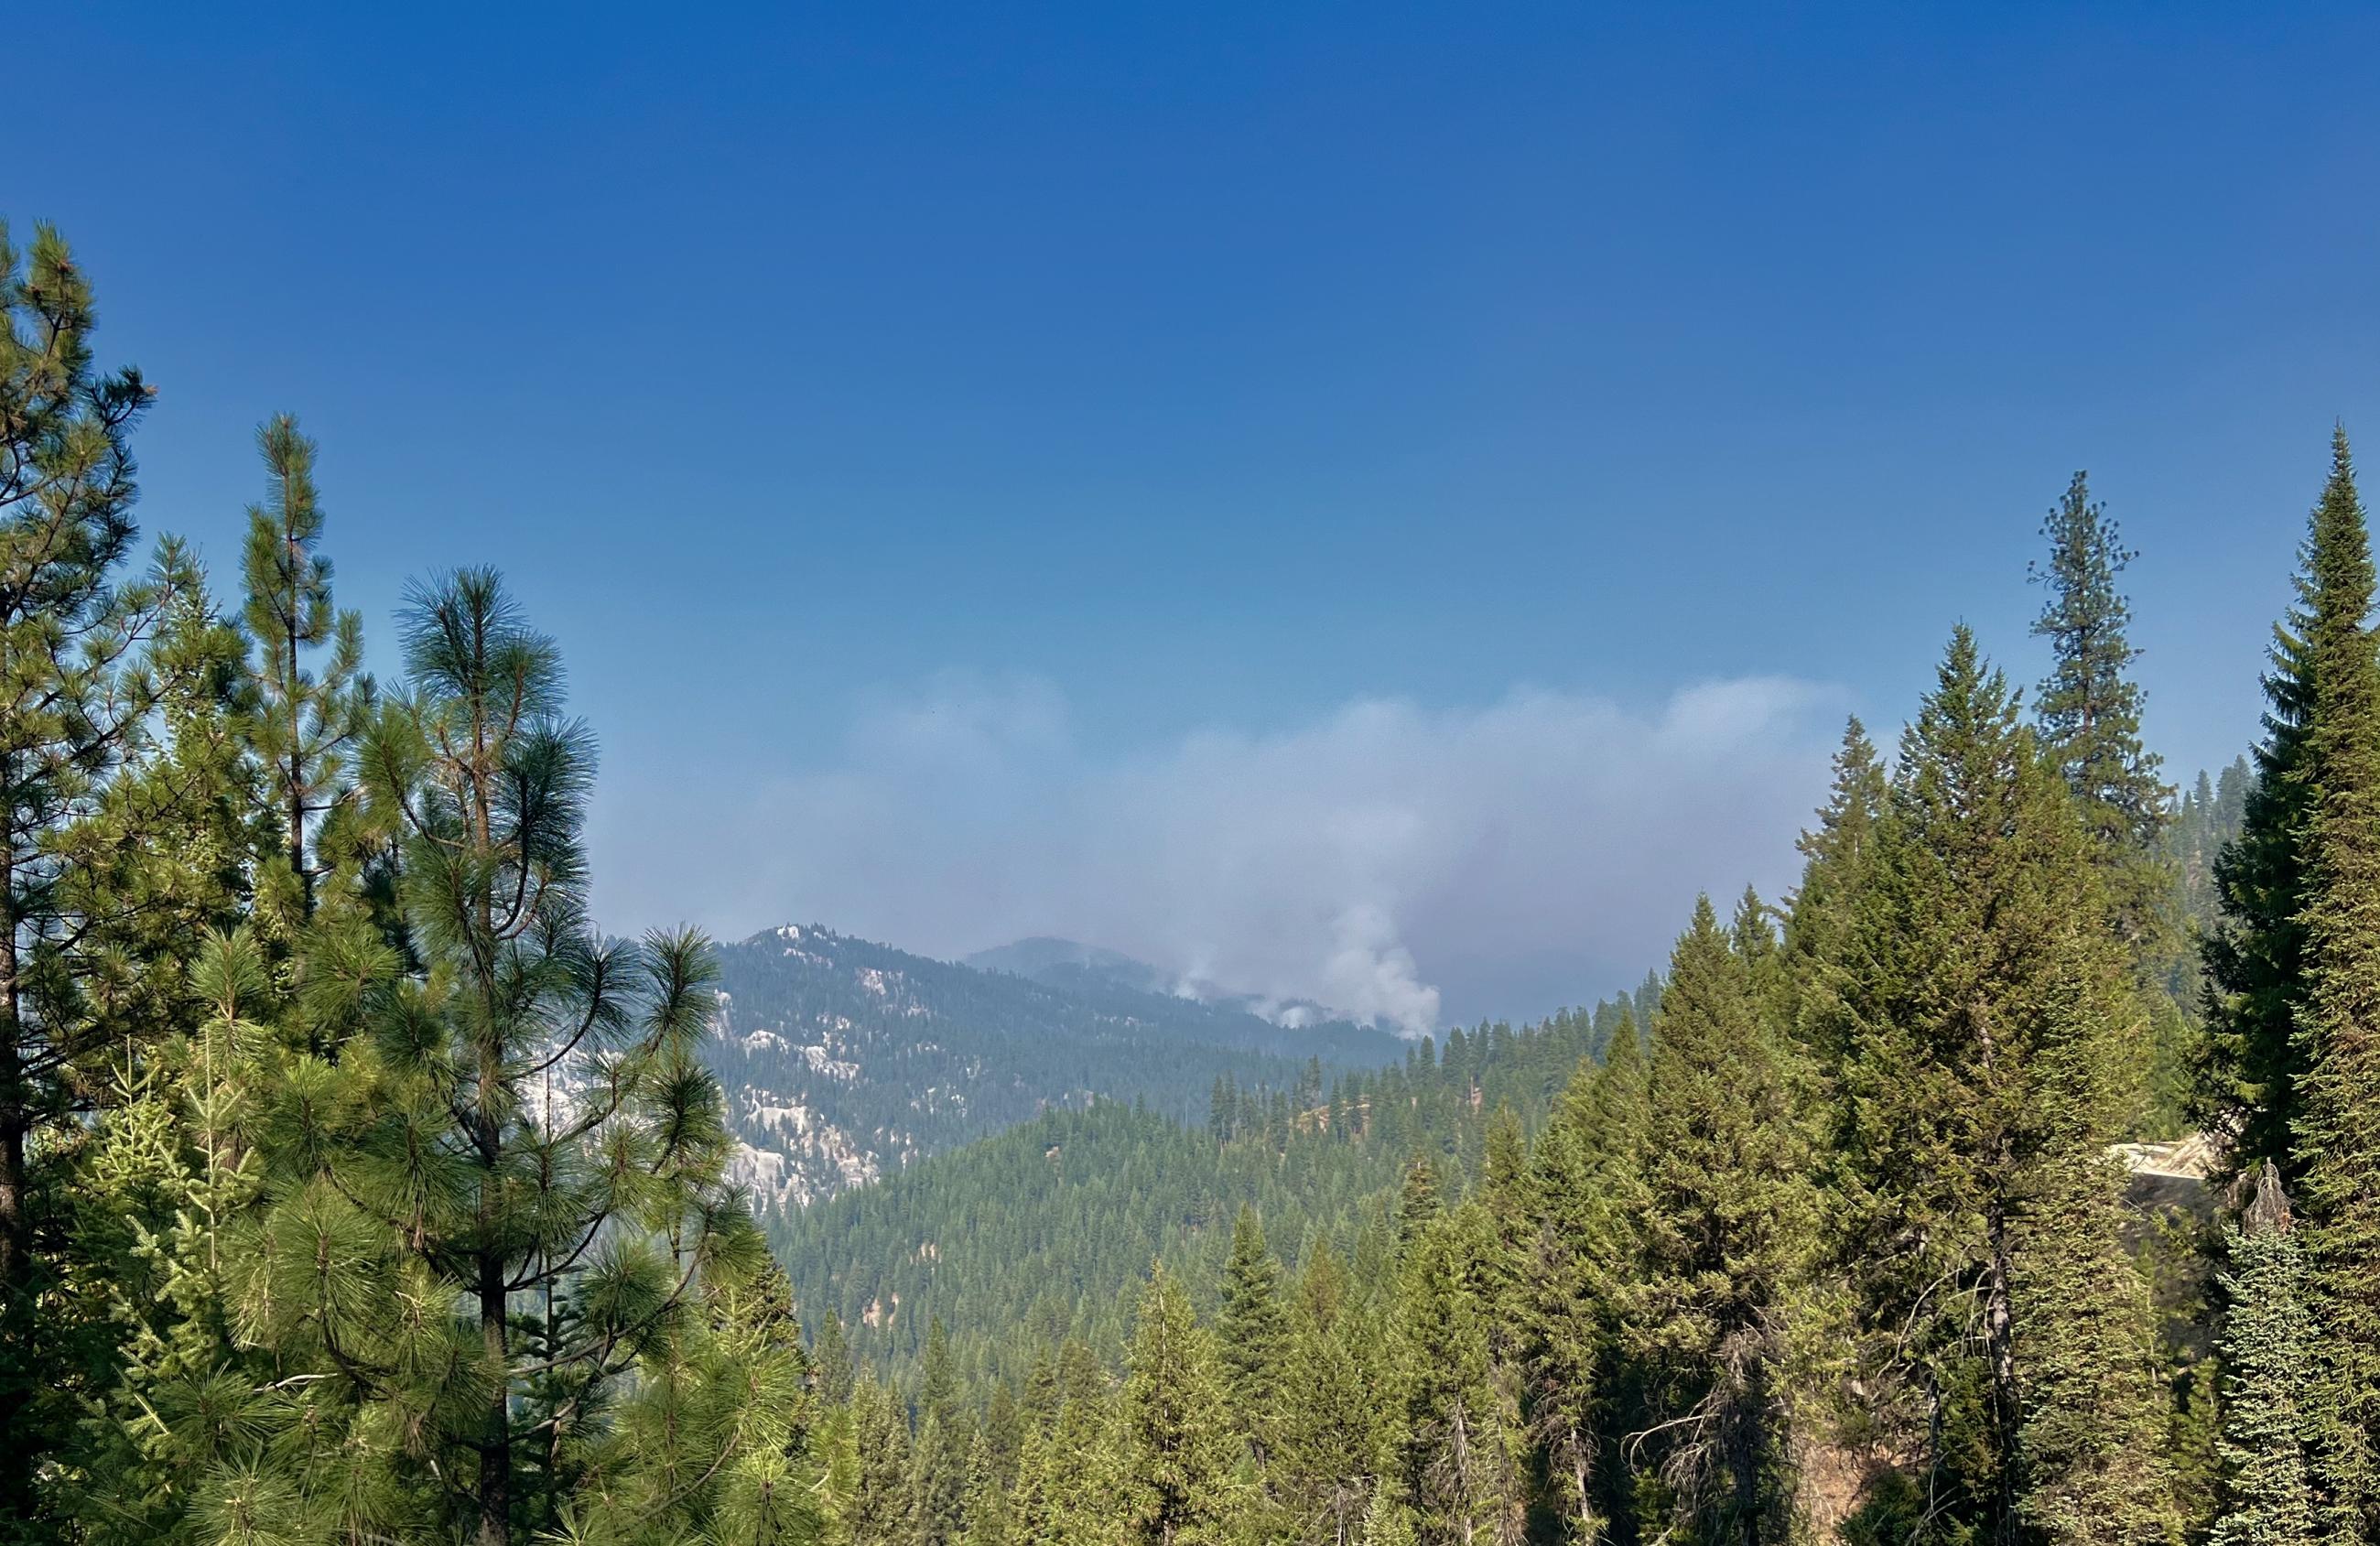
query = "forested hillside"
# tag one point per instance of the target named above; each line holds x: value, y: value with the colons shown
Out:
x: 845, y: 1060
x: 1050, y: 1224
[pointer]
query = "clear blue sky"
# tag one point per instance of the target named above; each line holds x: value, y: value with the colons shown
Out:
x: 1208, y: 368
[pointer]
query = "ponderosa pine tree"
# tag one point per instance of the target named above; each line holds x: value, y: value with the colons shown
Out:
x: 1721, y: 1292
x: 78, y: 692
x: 524, y: 1117
x: 2269, y: 1347
x: 2338, y: 1130
x: 1980, y: 1077
x: 1179, y: 1450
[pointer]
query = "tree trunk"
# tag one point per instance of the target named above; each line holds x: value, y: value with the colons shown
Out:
x: 496, y: 1459
x: 16, y: 1375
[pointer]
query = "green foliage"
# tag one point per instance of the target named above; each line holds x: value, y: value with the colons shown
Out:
x: 2337, y: 1137
x: 2270, y: 1343
x: 1179, y: 1449
x: 1719, y: 1304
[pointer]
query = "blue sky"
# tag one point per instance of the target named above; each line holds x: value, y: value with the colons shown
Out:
x: 982, y: 434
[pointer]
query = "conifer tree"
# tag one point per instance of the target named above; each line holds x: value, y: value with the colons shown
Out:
x: 2338, y: 1131
x: 1838, y: 854
x: 302, y: 723
x: 79, y: 687
x: 1587, y: 1174
x: 1254, y: 1333
x: 2089, y: 709
x: 1458, y: 1439
x: 1085, y: 1481
x: 1419, y: 1205
x: 832, y: 1359
x: 525, y: 1116
x: 1328, y: 1442
x: 984, y: 1500
x: 943, y: 1439
x: 2270, y: 1346
x: 1726, y: 1237
x: 881, y: 1508
x: 1981, y: 1078
x: 1178, y: 1445
x: 2251, y: 1060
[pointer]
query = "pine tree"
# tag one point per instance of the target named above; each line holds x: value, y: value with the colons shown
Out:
x: 303, y: 724
x: 2337, y: 1129
x: 525, y: 1116
x: 1726, y: 1241
x: 1254, y: 1331
x: 84, y: 673
x: 1178, y: 1445
x: 2270, y: 1346
x: 2089, y: 710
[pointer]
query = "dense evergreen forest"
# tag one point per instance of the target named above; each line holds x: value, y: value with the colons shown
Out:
x: 355, y: 1188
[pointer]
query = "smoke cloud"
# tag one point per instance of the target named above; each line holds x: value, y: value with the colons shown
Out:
x: 1396, y: 863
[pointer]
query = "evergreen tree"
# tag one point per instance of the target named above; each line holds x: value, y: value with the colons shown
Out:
x: 1458, y: 1440
x: 882, y: 1507
x: 1726, y: 1241
x: 2269, y: 1345
x: 85, y: 671
x: 984, y: 1500
x: 1177, y: 1439
x: 944, y: 1441
x: 1981, y: 1078
x: 1327, y: 1441
x: 523, y: 1116
x: 2253, y: 1062
x: 2338, y: 1130
x: 303, y: 724
x: 1586, y: 1167
x: 1254, y: 1331
x: 831, y: 1360
x: 1838, y: 854
x: 2089, y: 710
x: 1419, y: 1206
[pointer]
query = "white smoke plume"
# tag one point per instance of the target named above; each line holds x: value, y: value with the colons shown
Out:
x: 1393, y: 862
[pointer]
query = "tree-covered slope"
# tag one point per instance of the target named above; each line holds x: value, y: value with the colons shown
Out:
x: 845, y: 1060
x: 1038, y: 1233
